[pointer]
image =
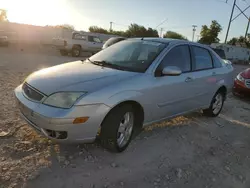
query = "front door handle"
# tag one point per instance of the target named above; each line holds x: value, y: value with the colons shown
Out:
x: 213, y: 73
x: 189, y: 79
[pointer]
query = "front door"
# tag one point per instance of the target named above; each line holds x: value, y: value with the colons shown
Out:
x: 95, y: 43
x: 174, y: 94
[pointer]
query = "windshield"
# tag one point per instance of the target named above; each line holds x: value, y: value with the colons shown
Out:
x: 130, y: 55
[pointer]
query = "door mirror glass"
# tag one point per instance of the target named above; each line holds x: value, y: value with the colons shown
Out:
x: 171, y: 71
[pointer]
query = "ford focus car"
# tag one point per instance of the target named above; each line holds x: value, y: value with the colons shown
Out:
x: 123, y: 88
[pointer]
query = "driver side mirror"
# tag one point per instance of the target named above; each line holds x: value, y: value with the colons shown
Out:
x: 171, y: 71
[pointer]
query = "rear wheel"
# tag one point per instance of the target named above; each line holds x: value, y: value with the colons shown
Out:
x: 76, y: 51
x: 216, y: 104
x: 117, y: 128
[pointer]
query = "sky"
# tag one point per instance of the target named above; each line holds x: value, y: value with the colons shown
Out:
x: 180, y: 15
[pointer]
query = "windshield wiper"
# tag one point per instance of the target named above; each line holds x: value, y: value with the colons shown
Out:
x: 106, y: 64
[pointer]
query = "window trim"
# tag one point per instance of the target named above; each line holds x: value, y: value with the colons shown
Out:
x: 193, y: 62
x: 156, y: 72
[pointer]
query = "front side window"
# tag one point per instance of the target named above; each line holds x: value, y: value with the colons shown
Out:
x: 94, y: 39
x: 131, y: 55
x: 202, y: 58
x: 178, y: 56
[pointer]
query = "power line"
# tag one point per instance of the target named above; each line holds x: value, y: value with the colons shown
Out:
x: 161, y: 23
x: 230, y: 21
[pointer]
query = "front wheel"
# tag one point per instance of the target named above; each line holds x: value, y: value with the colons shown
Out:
x: 117, y: 128
x: 216, y: 105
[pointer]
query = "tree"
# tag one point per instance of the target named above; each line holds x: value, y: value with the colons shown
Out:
x: 135, y: 30
x: 233, y: 41
x: 66, y: 26
x: 3, y: 15
x: 152, y: 32
x: 174, y: 35
x: 96, y: 29
x: 240, y: 41
x: 210, y: 34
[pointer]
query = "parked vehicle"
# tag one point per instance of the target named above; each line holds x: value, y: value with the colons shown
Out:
x: 233, y: 53
x: 242, y: 83
x: 220, y: 52
x: 4, y: 41
x: 112, y: 41
x: 123, y: 88
x: 80, y: 42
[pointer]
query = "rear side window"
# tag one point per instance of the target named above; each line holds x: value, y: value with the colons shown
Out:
x: 178, y: 56
x: 202, y: 58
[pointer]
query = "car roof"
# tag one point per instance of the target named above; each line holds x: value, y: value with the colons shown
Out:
x: 169, y: 41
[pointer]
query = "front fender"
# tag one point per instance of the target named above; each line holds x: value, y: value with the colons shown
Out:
x: 124, y: 96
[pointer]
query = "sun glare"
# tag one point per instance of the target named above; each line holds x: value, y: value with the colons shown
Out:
x: 35, y: 12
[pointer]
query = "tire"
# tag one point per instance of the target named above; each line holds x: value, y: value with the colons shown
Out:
x: 213, y: 111
x: 118, y: 124
x: 76, y: 51
x: 63, y: 52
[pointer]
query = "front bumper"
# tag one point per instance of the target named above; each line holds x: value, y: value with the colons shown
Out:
x: 55, y: 123
x: 240, y: 87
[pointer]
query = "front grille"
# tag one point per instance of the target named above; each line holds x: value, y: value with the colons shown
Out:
x: 248, y: 83
x: 31, y: 93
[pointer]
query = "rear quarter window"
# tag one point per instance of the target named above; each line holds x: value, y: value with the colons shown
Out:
x: 217, y: 61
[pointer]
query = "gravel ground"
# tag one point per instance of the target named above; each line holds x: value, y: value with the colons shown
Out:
x: 188, y: 151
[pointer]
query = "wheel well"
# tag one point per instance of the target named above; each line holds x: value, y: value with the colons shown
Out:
x: 139, y: 112
x: 223, y: 89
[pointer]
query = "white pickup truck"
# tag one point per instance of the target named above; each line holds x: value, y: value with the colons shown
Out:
x: 80, y: 42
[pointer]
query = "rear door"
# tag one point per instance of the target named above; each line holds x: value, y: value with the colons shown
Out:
x: 204, y: 75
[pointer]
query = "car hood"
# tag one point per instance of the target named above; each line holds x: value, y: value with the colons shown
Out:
x: 75, y: 76
x: 246, y: 73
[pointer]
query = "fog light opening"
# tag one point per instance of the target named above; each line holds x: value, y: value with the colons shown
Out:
x: 57, y: 134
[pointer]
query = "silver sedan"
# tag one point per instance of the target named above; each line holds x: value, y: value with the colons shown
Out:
x: 118, y: 91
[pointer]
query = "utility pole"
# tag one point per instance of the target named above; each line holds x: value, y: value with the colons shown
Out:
x: 230, y: 20
x: 194, y: 29
x: 247, y: 29
x: 161, y: 33
x: 110, y: 28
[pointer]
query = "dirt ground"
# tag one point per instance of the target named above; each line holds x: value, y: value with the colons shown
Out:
x: 188, y: 151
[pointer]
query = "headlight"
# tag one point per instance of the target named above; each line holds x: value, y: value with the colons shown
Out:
x: 240, y: 78
x: 63, y: 99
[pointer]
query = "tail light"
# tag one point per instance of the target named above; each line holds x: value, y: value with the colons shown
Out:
x: 65, y: 43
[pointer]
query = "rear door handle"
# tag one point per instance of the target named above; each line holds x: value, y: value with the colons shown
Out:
x: 213, y: 73
x: 189, y: 79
